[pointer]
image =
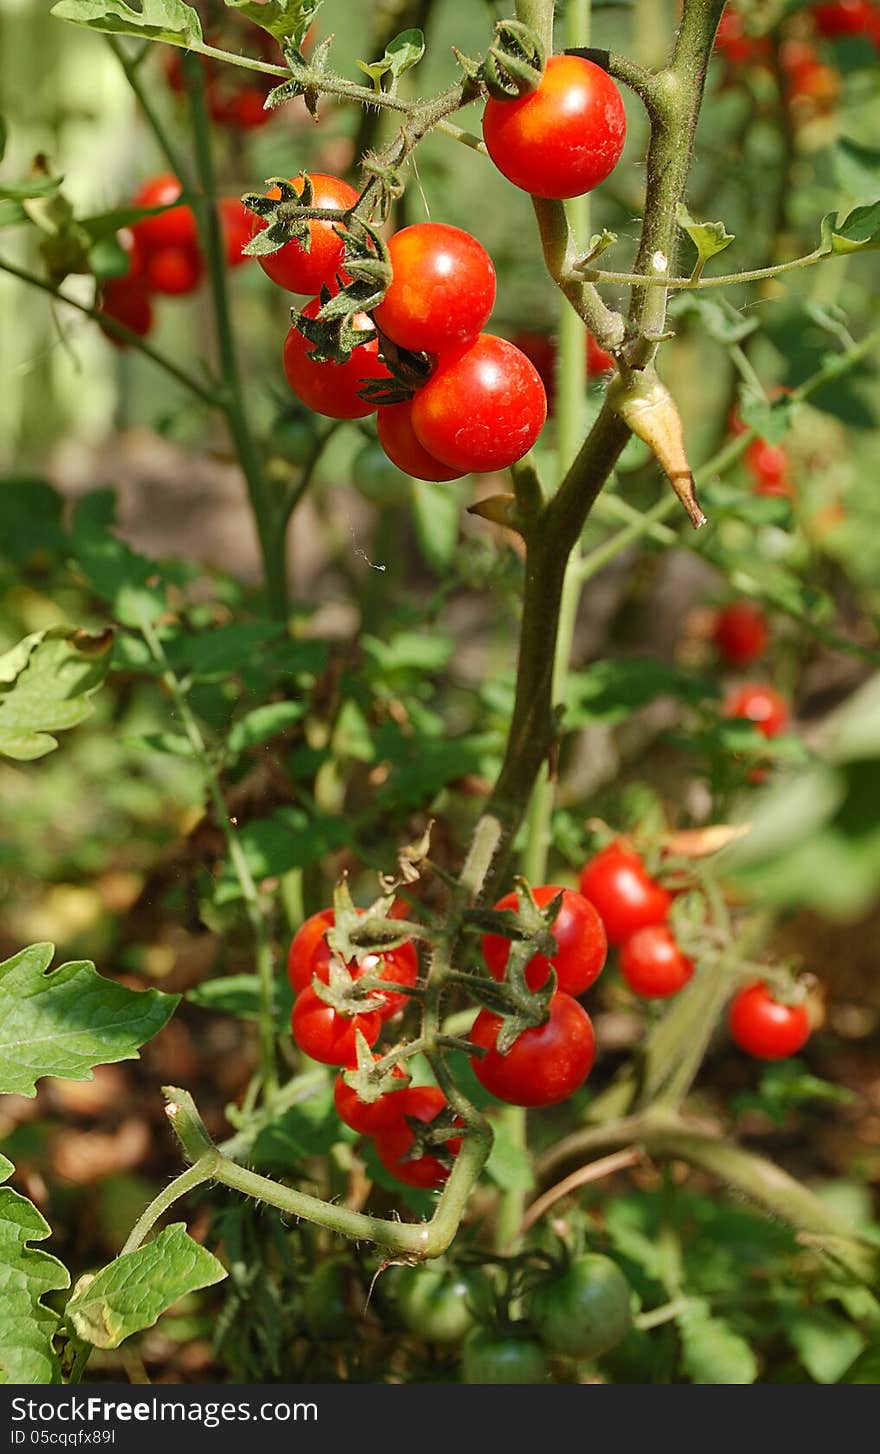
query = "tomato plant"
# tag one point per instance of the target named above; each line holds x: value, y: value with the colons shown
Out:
x: 585, y: 1310
x: 652, y: 963
x: 760, y: 704
x: 395, y: 1144
x: 301, y: 269
x: 490, y: 1357
x: 581, y: 945
x: 623, y: 893
x: 740, y: 633
x: 442, y: 288
x: 325, y: 1034
x: 482, y: 409
x: 435, y: 1303
x: 398, y: 439
x: 545, y: 1064
x: 333, y: 389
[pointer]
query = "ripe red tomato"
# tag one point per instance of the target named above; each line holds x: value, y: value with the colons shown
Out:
x: 309, y: 955
x: 293, y: 268
x: 733, y: 41
x: 423, y: 1103
x: 330, y: 388
x: 442, y: 289
x: 173, y: 270
x: 541, y: 349
x: 845, y: 17
x: 174, y: 228
x: 807, y: 79
x: 482, y: 409
x: 236, y: 225
x: 562, y: 139
x: 765, y: 1028
x: 545, y: 1064
x: 580, y: 939
x: 325, y: 1035
x: 368, y: 1117
x: 768, y: 466
x: 599, y: 360
x: 129, y: 303
x: 243, y: 109
x: 398, y: 439
x: 741, y: 633
x: 653, y: 965
x: 624, y: 894
x: 761, y: 705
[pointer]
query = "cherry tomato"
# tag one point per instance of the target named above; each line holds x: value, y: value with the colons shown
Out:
x: 293, y: 268
x: 768, y: 466
x: 376, y: 478
x: 585, y: 1311
x: 173, y: 270
x: 423, y: 1103
x: 482, y: 409
x: 490, y: 1357
x: 653, y: 965
x: 808, y: 81
x: 326, y: 1310
x: 367, y: 1117
x: 304, y: 945
x: 740, y: 633
x: 442, y: 288
x: 236, y: 226
x: 846, y: 17
x: 129, y: 303
x: 434, y: 1302
x: 293, y: 435
x: 599, y: 360
x: 580, y: 940
x: 761, y: 705
x: 624, y: 894
x: 330, y: 388
x: 733, y: 41
x: 245, y: 109
x: 175, y: 227
x: 545, y: 1064
x: 562, y: 139
x: 398, y: 439
x: 541, y: 349
x: 310, y: 955
x: 325, y: 1035
x: 765, y: 1028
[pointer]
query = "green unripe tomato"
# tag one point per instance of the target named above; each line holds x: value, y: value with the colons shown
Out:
x: 434, y: 1303
x: 377, y: 479
x: 325, y: 1308
x: 293, y: 438
x: 585, y: 1311
x: 490, y: 1357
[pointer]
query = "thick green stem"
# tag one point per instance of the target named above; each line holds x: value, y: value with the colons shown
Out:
x: 187, y: 1181
x: 270, y: 534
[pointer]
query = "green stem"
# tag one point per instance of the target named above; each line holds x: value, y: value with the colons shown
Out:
x: 249, y: 891
x: 187, y: 1181
x: 271, y: 538
x: 696, y: 282
x: 207, y: 396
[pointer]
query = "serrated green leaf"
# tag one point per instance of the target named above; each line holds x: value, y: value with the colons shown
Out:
x: 282, y: 18
x: 826, y: 1344
x: 168, y: 20
x: 711, y: 1351
x: 133, y: 1291
x: 46, y: 683
x: 69, y: 1021
x: 27, y: 1327
x: 401, y: 54
x: 264, y: 723
x: 709, y: 238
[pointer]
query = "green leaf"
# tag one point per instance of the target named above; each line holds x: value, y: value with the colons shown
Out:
x: 289, y: 839
x: 264, y: 723
x: 610, y: 691
x: 436, y: 513
x: 132, y: 584
x: 28, y: 188
x: 223, y: 649
x: 859, y: 232
x: 857, y: 168
x: 304, y: 1130
x: 134, y: 1290
x: 866, y: 1368
x: 69, y: 1021
x: 709, y: 238
x: 509, y: 1165
x: 711, y: 1351
x: 30, y: 520
x: 401, y: 54
x: 173, y: 743
x: 46, y: 683
x: 27, y: 1327
x: 825, y: 1343
x: 770, y: 419
x: 239, y: 994
x: 282, y: 18
x: 408, y: 651
x: 722, y: 322
x: 168, y: 20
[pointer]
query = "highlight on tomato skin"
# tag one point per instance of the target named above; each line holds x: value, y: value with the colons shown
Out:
x: 761, y: 705
x: 622, y: 891
x: 546, y: 1063
x: 442, y: 288
x: 580, y: 937
x: 482, y: 409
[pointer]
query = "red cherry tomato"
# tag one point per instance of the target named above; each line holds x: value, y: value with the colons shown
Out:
x: 580, y: 939
x: 623, y: 893
x: 129, y: 303
x: 599, y: 360
x: 325, y: 1035
x: 562, y: 139
x: 307, y: 272
x: 761, y: 705
x: 245, y: 109
x: 545, y: 1064
x: 173, y: 270
x: 653, y: 965
x: 424, y: 1103
x: 442, y: 289
x: 765, y: 1028
x: 808, y: 81
x: 237, y: 229
x: 846, y: 17
x: 740, y: 632
x: 329, y: 388
x: 174, y: 228
x: 368, y: 1117
x: 541, y: 349
x: 768, y: 466
x: 733, y: 41
x: 482, y: 409
x: 310, y: 955
x: 398, y: 439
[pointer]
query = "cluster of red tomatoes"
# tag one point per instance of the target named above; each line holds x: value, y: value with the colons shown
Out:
x: 741, y: 634
x: 164, y: 256
x: 234, y: 96
x: 809, y: 81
